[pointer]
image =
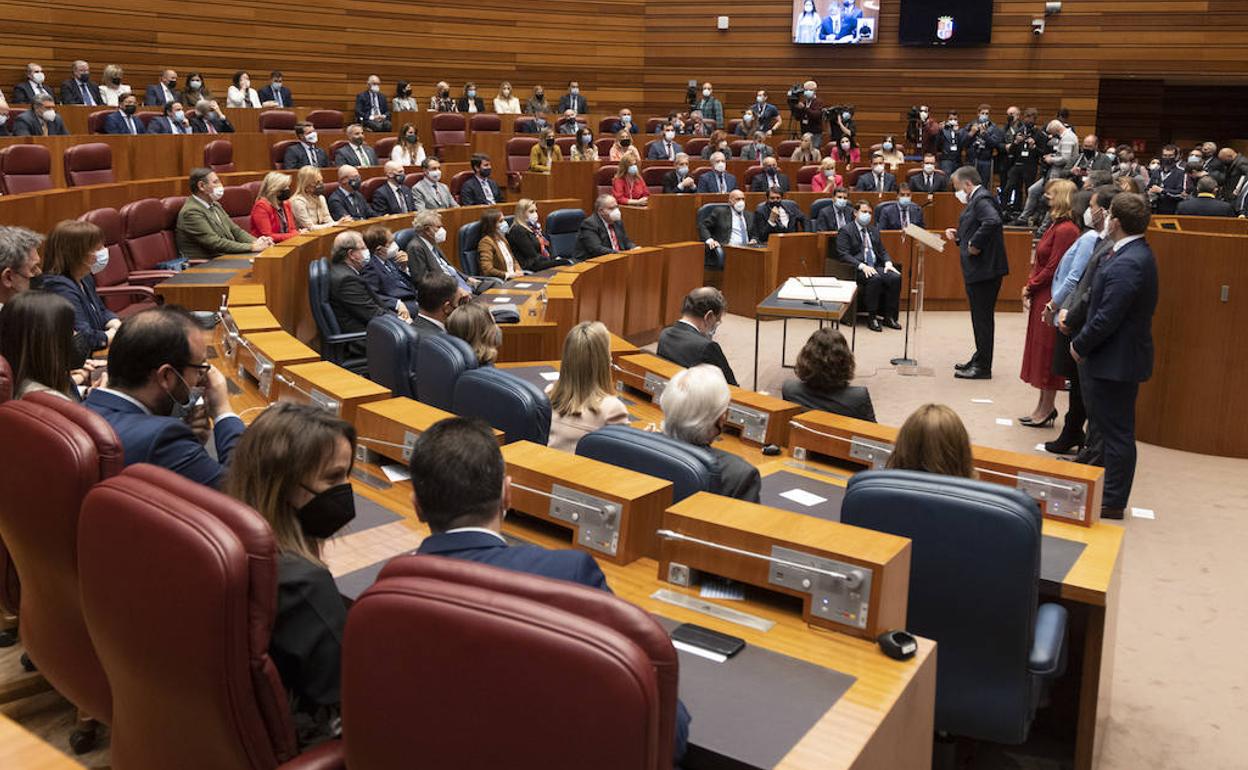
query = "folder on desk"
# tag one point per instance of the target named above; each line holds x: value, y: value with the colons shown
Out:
x: 817, y: 289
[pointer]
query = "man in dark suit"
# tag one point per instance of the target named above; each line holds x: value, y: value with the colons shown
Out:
x: 950, y: 144
x: 386, y: 273
x: 32, y: 88
x: 928, y: 179
x: 1168, y: 183
x: 305, y: 153
x: 1205, y: 204
x: 602, y: 232
x: 777, y: 215
x: 479, y: 189
x: 173, y: 121
x: 719, y: 180
x: 438, y: 295
x: 79, y: 89
x: 40, y: 120
x: 981, y: 242
x: 666, y: 147
x: 162, y: 394
x: 878, y: 180
x: 123, y: 121
x: 623, y: 122
x: 275, y: 94
x: 771, y: 177
x: 679, y: 180
x: 424, y: 257
x: 371, y: 108
x: 393, y: 197
x: 208, y: 119
x: 1116, y: 344
x: 839, y: 214
x: 695, y: 407
x: 691, y: 340
x: 573, y: 100
x: 353, y: 302
x: 347, y: 201
x: 879, y: 281
x: 163, y: 92
x: 1234, y: 173
x: 355, y: 152
x: 895, y: 215
x: 727, y: 225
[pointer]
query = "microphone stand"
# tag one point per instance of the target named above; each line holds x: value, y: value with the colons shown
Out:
x: 904, y: 359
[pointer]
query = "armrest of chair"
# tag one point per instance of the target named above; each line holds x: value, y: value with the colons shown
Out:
x: 150, y: 277
x: 324, y: 756
x: 342, y: 339
x: 1048, y: 646
x: 139, y: 292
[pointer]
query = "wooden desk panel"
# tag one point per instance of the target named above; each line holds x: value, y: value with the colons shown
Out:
x: 642, y: 284
x: 749, y: 276
x: 319, y: 382
x: 682, y: 273
x: 22, y: 749
x: 388, y: 427
x: 614, y: 272
x: 263, y: 354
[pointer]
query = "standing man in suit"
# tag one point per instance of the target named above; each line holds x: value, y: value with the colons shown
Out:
x: 173, y: 121
x: 879, y: 281
x: 371, y: 108
x: 771, y: 178
x: 839, y: 214
x: 666, y: 148
x: 431, y: 192
x: 164, y: 399
x: 808, y: 111
x: 208, y: 119
x: 929, y: 179
x: 1206, y: 204
x: 679, y: 180
x: 424, y: 257
x: 40, y: 120
x: 480, y: 189
x: 393, y: 197
x: 353, y: 302
x: 719, y: 180
x: 691, y: 340
x: 204, y: 230
x: 981, y: 243
x: 726, y: 226
x: 878, y: 180
x: 1166, y: 183
x: 573, y: 100
x: 602, y: 232
x: 766, y: 114
x: 777, y: 215
x: 275, y: 94
x: 32, y: 89
x: 347, y: 201
x: 79, y: 89
x: 1116, y: 343
x: 984, y: 141
x: 305, y: 153
x: 895, y: 215
x: 438, y: 295
x: 163, y: 91
x: 950, y: 144
x: 356, y: 152
x: 1090, y: 159
x: 123, y: 121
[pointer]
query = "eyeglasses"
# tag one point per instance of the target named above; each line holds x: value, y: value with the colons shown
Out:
x: 203, y: 369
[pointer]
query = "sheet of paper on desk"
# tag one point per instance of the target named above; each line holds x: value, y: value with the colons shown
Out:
x: 396, y: 473
x: 550, y: 376
x: 523, y: 285
x: 802, y: 497
x: 803, y: 289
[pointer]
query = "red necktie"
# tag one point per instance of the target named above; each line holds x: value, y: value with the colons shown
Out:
x: 615, y: 243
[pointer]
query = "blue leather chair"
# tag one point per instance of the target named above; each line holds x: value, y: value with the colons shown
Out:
x: 516, y: 407
x: 392, y: 349
x: 333, y: 340
x: 703, y: 210
x: 819, y: 206
x: 404, y: 237
x: 691, y: 469
x: 443, y: 359
x: 562, y: 226
x: 974, y: 586
x: 469, y: 259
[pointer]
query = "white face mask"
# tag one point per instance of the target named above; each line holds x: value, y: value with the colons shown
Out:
x: 748, y: 117
x: 887, y: 146
x: 615, y: 215
x: 218, y: 192
x: 392, y: 250
x: 503, y: 227
x: 374, y: 88
x: 439, y: 235
x: 878, y: 168
x: 808, y: 94
x: 829, y: 174
x: 101, y: 261
x: 761, y: 99
x: 738, y: 206
x: 626, y: 119
x: 532, y: 217
x: 4, y: 118
x: 961, y: 196
x: 196, y: 83
x: 669, y: 135
x: 49, y: 115
x: 38, y: 78
x: 929, y: 168
x: 706, y: 92
x: 310, y: 137
x: 632, y: 171
x: 720, y: 165
x: 178, y: 116
x: 864, y: 218
x: 434, y: 174
x: 1088, y: 220
x: 903, y: 200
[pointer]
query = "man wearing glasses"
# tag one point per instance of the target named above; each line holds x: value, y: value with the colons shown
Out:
x: 164, y: 400
x: 19, y: 261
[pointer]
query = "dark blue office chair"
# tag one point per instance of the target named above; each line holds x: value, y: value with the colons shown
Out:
x: 974, y: 586
x: 391, y: 345
x: 469, y: 258
x: 516, y: 407
x: 443, y: 359
x: 819, y: 206
x: 404, y: 237
x: 333, y: 341
x: 562, y: 226
x: 718, y: 254
x: 691, y: 469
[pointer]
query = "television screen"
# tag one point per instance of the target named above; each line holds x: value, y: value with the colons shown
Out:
x: 835, y: 22
x: 946, y: 22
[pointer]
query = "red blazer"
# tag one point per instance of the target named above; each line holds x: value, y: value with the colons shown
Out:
x: 624, y: 193
x: 819, y: 182
x: 264, y: 221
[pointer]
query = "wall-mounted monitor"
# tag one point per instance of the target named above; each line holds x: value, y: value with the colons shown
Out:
x: 946, y: 22
x: 835, y: 22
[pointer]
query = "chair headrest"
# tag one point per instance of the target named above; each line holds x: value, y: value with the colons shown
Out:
x: 27, y: 159
x: 691, y: 469
x: 392, y: 346
x: 143, y: 217
x: 515, y: 406
x: 443, y: 358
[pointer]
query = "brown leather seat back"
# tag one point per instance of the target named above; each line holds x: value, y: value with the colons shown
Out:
x: 90, y: 163
x: 219, y: 156
x: 26, y: 168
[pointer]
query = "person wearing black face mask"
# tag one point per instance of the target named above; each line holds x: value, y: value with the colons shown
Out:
x: 537, y: 103
x: 271, y: 214
x: 442, y: 101
x: 544, y: 153
x: 294, y: 467
x: 480, y: 188
x: 123, y: 121
x: 1166, y: 184
x: 347, y: 201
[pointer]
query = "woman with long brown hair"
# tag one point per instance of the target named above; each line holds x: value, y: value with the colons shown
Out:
x: 37, y: 339
x: 73, y: 255
x: 933, y: 439
x: 582, y: 399
x: 474, y: 324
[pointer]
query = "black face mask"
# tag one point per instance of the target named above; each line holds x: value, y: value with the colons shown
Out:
x: 485, y: 172
x: 284, y: 195
x: 625, y: 142
x: 354, y: 183
x: 550, y: 142
x: 129, y: 109
x: 318, y: 190
x: 327, y: 512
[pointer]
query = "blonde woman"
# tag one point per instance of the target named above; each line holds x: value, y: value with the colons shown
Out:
x: 933, y: 439
x: 506, y: 103
x: 807, y: 152
x: 474, y: 324
x: 622, y: 144
x: 544, y: 153
x: 271, y: 214
x: 308, y: 204
x: 583, y: 400
x: 294, y: 467
x: 111, y: 87
x: 628, y: 187
x: 827, y: 179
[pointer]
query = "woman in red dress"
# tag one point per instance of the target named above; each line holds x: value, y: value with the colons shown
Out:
x: 1041, y: 336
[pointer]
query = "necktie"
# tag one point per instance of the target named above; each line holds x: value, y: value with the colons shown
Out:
x: 86, y: 95
x: 311, y: 155
x: 212, y: 129
x: 866, y: 244
x: 359, y: 153
x: 130, y: 123
x: 615, y: 243
x: 376, y: 110
x: 722, y: 187
x: 277, y: 96
x: 398, y: 193
x: 670, y: 154
x: 905, y: 219
x: 927, y: 180
x: 168, y: 94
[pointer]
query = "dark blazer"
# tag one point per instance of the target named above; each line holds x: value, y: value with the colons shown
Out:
x: 761, y: 184
x: 737, y: 478
x: 832, y: 218
x: 346, y: 156
x: 592, y: 239
x: 462, y: 103
x: 115, y: 123
x: 90, y: 314
x: 166, y: 441
x: 670, y: 181
x: 390, y: 282
x: 220, y: 122
x: 708, y: 183
x: 866, y: 183
x: 354, y: 304
x: 425, y: 326
x: 345, y: 202
x: 682, y: 344
x: 1206, y: 206
x: 1117, y: 340
x: 1076, y: 303
x: 717, y: 224
x: 162, y: 125
x: 850, y: 250
x: 888, y: 215
x: 266, y: 95
x: 850, y: 401
x: 364, y: 105
x: 528, y: 252
x: 980, y: 226
x: 574, y: 566
x: 385, y: 201
x: 578, y: 103
x: 762, y: 220
x: 24, y: 93
x: 919, y: 183
x: 421, y: 261
x: 471, y: 194
x: 657, y: 150
x: 71, y: 93
x: 951, y: 144
x: 306, y: 643
x: 154, y: 96
x: 29, y: 124
x: 296, y: 156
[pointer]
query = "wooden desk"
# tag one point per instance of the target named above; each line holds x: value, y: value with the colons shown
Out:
x: 22, y: 749
x: 262, y: 354
x: 241, y: 295
x: 329, y: 386
x: 390, y: 427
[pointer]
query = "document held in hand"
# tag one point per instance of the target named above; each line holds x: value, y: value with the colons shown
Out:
x: 929, y: 239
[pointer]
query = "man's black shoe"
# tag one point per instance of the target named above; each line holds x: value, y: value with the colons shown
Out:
x: 974, y: 373
x: 965, y: 366
x: 873, y: 324
x: 891, y: 323
x: 1111, y: 513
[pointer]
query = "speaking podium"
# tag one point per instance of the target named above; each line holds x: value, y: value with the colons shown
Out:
x: 912, y: 234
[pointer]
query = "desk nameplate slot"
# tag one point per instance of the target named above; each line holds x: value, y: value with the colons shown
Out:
x: 596, y: 519
x: 840, y: 600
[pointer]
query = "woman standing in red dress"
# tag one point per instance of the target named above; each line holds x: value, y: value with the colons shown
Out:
x: 1038, y: 351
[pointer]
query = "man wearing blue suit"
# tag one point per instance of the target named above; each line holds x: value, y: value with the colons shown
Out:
x: 718, y: 180
x: 981, y: 246
x: 479, y: 189
x: 172, y: 122
x: 461, y: 490
x: 275, y: 94
x: 371, y: 108
x: 161, y: 393
x: 123, y: 121
x: 1115, y: 345
x: 895, y: 215
x: 162, y: 93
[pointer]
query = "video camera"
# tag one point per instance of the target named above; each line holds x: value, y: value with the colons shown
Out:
x: 794, y: 94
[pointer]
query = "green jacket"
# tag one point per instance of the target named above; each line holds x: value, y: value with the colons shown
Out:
x: 204, y: 233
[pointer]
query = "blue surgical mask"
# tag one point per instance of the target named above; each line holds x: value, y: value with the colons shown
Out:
x: 503, y: 227
x: 182, y: 410
x: 101, y: 261
x: 864, y: 218
x: 904, y: 200
x: 887, y: 146
x: 840, y: 203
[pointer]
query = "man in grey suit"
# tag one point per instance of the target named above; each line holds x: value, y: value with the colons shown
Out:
x: 438, y: 294
x: 355, y: 152
x: 425, y: 257
x: 430, y: 192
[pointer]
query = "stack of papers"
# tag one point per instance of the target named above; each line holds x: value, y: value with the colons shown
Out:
x: 817, y: 288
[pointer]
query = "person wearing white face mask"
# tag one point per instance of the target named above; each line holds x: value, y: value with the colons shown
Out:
x: 204, y: 230
x: 33, y: 87
x: 574, y: 100
x: 350, y: 297
x: 628, y: 187
x: 712, y: 109
x: 470, y: 102
x: 981, y: 243
x: 172, y: 122
x: 878, y: 180
x: 529, y: 243
x: 495, y: 259
x: 624, y: 122
x: 807, y: 28
x: 386, y: 273
x: 727, y: 225
x: 603, y: 231
x: 431, y: 192
x: 40, y: 120
x: 896, y: 215
x: 73, y: 255
x: 679, y: 180
x: 891, y: 153
x: 879, y: 281
x: 928, y: 179
x: 719, y: 180
x: 372, y: 109
x: 666, y: 148
x: 424, y: 254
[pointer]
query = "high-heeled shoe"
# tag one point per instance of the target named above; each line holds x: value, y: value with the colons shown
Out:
x: 1047, y: 422
x: 1064, y: 446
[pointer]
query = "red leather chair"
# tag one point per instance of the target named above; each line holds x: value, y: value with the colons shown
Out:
x: 457, y: 182
x: 411, y: 179
x: 369, y: 186
x: 548, y: 659
x: 449, y: 128
x: 329, y: 190
x: 219, y: 156
x: 277, y: 121
x: 607, y: 125
x: 25, y: 168
x: 6, y: 380
x: 253, y: 188
x: 696, y: 145
x: 737, y: 145
x: 749, y: 175
x: 804, y: 175
x: 565, y: 143
x: 147, y: 116
x: 518, y: 149
x: 179, y: 590
x: 604, y: 148
x: 237, y: 202
x: 277, y: 152
x: 785, y: 149
x: 384, y: 147
x: 335, y: 147
x: 90, y: 163
x: 851, y: 178
x: 653, y: 177
x: 10, y: 586
x: 486, y: 123
x: 654, y: 124
x: 171, y: 206
x: 48, y: 437
x: 604, y: 177
x: 698, y: 172
x: 114, y: 285
x: 144, y: 223
x: 732, y: 126
x: 326, y: 121
x: 95, y: 121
